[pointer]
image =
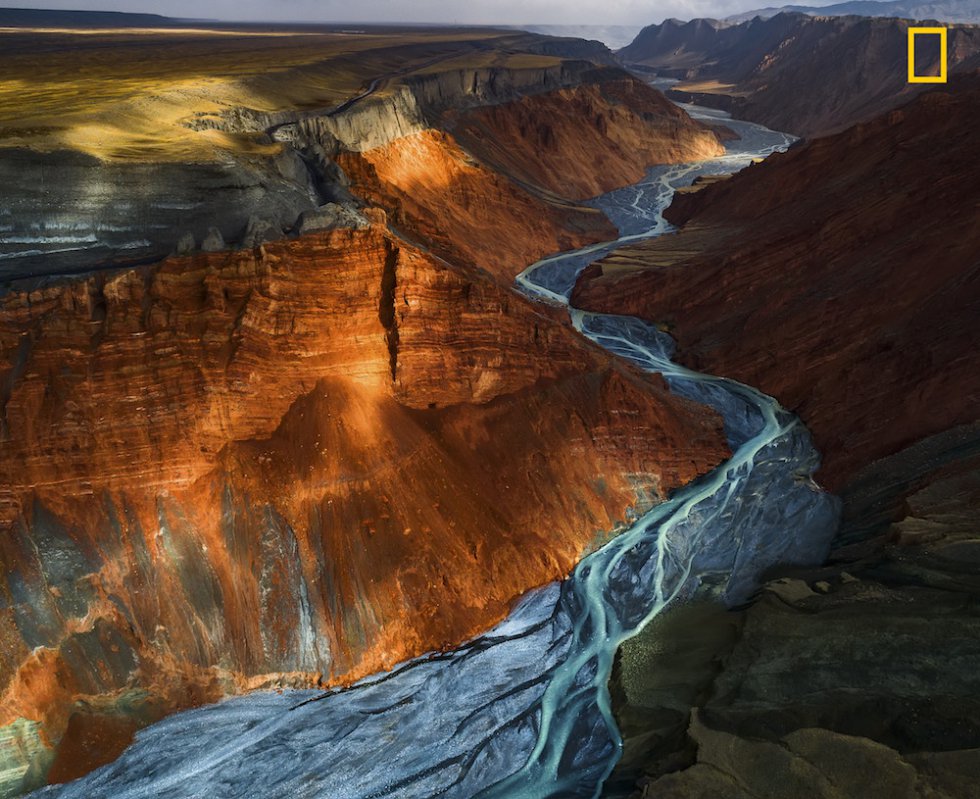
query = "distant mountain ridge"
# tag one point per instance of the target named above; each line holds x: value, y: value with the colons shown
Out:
x: 793, y: 72
x: 942, y: 10
x: 46, y: 18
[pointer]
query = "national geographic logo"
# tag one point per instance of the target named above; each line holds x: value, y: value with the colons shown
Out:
x: 941, y: 33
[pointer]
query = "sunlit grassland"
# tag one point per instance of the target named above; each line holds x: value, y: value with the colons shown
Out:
x: 492, y: 58
x: 130, y: 94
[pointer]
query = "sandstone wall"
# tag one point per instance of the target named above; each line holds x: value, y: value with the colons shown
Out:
x: 292, y: 466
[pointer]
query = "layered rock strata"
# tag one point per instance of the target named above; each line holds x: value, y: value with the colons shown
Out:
x: 497, y: 190
x: 585, y: 140
x: 292, y: 465
x: 437, y: 193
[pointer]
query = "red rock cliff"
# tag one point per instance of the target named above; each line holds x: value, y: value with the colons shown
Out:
x: 587, y: 140
x: 436, y: 192
x: 841, y: 277
x: 498, y: 190
x: 292, y: 465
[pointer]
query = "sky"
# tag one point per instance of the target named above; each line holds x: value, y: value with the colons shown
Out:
x: 479, y: 12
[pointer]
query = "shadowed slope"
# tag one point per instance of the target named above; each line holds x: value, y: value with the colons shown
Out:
x: 841, y: 277
x: 806, y: 75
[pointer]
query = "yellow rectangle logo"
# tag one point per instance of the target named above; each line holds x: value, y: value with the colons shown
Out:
x: 941, y: 77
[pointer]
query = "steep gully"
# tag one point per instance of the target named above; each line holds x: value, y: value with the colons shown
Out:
x: 533, y: 689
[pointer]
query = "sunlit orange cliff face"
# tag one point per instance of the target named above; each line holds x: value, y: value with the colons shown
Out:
x: 295, y: 465
x: 498, y: 188
x: 305, y: 460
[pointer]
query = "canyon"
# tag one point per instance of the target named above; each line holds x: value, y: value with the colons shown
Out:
x: 792, y: 260
x: 345, y: 448
x: 855, y: 678
x: 461, y: 722
x: 504, y: 166
x: 325, y: 435
x: 296, y: 466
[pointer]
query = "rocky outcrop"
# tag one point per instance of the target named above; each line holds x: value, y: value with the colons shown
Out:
x: 840, y: 277
x: 392, y: 107
x: 67, y: 212
x: 805, y: 75
x: 293, y: 465
x: 330, y: 217
x: 674, y: 44
x: 372, y: 122
x: 506, y: 168
x: 586, y: 140
x: 581, y: 42
x: 458, y: 90
x: 433, y: 190
x: 853, y: 680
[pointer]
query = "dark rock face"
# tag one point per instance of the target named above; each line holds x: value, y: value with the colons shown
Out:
x: 813, y: 762
x: 856, y: 679
x: 65, y: 212
x: 688, y: 42
x: 840, y: 277
x: 805, y: 75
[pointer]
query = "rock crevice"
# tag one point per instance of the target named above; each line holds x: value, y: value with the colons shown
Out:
x: 386, y: 308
